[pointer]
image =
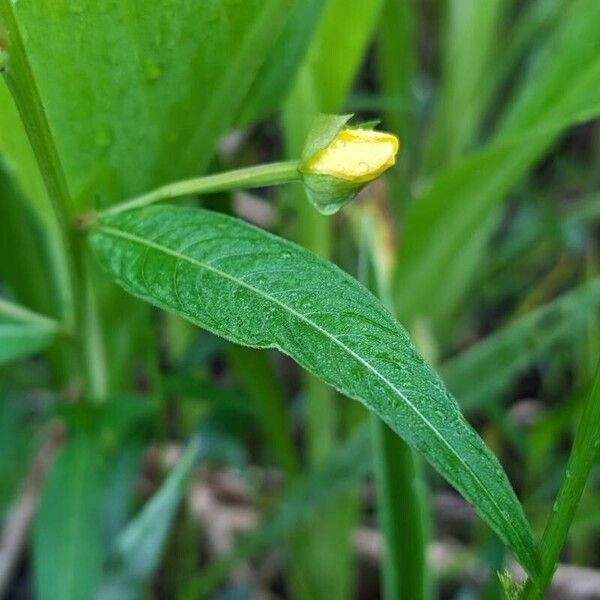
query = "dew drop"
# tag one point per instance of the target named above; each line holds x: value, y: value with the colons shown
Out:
x: 363, y: 168
x: 103, y: 137
x: 328, y: 209
x: 285, y: 254
x: 152, y: 71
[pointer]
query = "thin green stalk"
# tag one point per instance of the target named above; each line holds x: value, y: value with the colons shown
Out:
x: 246, y: 178
x: 583, y: 456
x: 320, y: 553
x: 398, y: 480
x: 23, y: 87
x: 313, y: 231
x: 400, y: 514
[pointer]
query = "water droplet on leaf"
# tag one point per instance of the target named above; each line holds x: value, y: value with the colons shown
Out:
x: 152, y: 71
x: 103, y: 137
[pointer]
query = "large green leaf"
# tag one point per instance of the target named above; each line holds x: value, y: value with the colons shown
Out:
x: 256, y: 289
x: 136, y: 93
x: 18, y: 156
x: 23, y: 332
x: 68, y: 534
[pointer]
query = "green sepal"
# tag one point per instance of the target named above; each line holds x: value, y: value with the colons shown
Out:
x: 365, y: 124
x: 329, y: 194
x: 321, y: 134
x: 326, y: 193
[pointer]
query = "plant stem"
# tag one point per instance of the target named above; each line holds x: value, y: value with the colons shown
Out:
x: 81, y: 310
x: 400, y: 513
x: 248, y: 177
x: 398, y: 478
x: 584, y: 453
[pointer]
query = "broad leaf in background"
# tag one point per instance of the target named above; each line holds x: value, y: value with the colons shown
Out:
x: 137, y: 550
x: 68, y: 535
x: 137, y: 94
x: 34, y: 238
x: 23, y: 332
x: 18, y: 156
x: 446, y: 229
x: 259, y: 290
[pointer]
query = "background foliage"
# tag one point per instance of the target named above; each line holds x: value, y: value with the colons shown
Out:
x: 141, y: 456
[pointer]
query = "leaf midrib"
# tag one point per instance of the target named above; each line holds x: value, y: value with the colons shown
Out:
x: 151, y: 244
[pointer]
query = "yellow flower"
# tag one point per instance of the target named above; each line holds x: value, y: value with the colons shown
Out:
x: 356, y: 155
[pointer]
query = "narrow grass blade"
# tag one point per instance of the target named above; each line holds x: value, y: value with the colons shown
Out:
x: 584, y: 454
x: 259, y: 290
x: 277, y: 74
x: 23, y: 332
x: 137, y: 550
x: 469, y: 24
x: 396, y: 60
x: 446, y: 229
x: 479, y: 374
x: 67, y: 546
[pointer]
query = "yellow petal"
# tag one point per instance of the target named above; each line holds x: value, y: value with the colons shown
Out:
x: 358, y: 155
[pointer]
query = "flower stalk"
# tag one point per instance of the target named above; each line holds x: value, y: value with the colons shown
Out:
x: 337, y: 162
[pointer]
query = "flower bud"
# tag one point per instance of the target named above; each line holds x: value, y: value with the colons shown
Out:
x: 338, y: 161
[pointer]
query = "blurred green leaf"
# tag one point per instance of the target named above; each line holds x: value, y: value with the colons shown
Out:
x: 396, y: 62
x: 308, y: 495
x: 478, y: 375
x: 119, y: 488
x: 254, y: 372
x: 18, y: 439
x: 137, y: 550
x: 446, y: 229
x: 277, y: 74
x: 262, y: 291
x: 18, y: 156
x: 23, y: 332
x: 470, y: 25
x: 68, y: 536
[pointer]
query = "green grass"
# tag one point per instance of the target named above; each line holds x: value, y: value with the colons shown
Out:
x: 141, y: 314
